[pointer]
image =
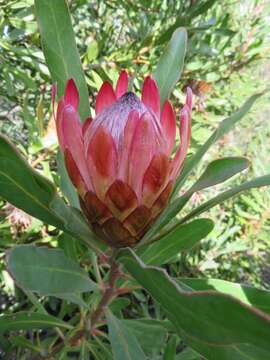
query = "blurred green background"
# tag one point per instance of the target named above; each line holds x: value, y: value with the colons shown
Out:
x: 227, y: 61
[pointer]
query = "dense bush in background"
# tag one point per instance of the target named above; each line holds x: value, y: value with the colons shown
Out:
x: 226, y: 62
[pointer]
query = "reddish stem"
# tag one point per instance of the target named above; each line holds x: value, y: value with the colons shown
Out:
x: 108, y: 294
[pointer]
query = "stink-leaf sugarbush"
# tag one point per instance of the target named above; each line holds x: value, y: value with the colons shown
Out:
x: 121, y: 161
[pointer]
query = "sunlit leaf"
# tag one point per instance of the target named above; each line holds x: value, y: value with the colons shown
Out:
x: 60, y: 48
x: 170, y: 65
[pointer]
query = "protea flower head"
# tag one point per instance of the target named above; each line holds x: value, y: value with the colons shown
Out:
x: 121, y: 161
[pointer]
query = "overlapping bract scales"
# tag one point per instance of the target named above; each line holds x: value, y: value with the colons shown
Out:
x: 121, y: 161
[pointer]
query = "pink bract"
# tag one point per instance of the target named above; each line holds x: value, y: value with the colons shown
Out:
x: 121, y: 162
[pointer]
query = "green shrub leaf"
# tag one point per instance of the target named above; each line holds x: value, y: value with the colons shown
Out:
x: 247, y: 294
x: 170, y: 65
x: 182, y: 238
x: 208, y: 317
x: 60, y: 50
x: 47, y: 271
x: 26, y: 320
x: 150, y: 333
x: 124, y: 344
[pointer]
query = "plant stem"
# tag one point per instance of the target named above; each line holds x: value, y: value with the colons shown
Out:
x: 109, y: 292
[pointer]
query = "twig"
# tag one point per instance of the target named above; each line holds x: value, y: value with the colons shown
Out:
x: 41, y: 157
x: 109, y: 293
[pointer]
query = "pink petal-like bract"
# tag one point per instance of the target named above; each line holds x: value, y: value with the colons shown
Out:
x: 122, y: 84
x: 150, y: 95
x: 122, y: 162
x: 168, y: 125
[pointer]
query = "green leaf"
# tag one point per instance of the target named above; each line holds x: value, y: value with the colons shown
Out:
x: 225, y: 126
x: 216, y: 172
x: 119, y: 304
x: 35, y: 301
x: 74, y: 299
x: 84, y: 351
x: 200, y: 8
x: 150, y: 333
x: 219, y: 171
x: 182, y: 238
x: 188, y: 354
x: 5, y: 343
x: 22, y: 342
x: 74, y: 223
x: 26, y: 189
x: 60, y: 50
x: 258, y: 182
x: 170, y: 350
x: 229, y: 352
x: 92, y: 51
x: 124, y: 344
x: 26, y: 320
x: 66, y: 185
x: 170, y: 65
x: 47, y: 271
x: 209, y: 317
x: 69, y: 245
x: 247, y: 294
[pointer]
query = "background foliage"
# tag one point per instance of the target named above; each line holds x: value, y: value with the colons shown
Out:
x: 226, y: 62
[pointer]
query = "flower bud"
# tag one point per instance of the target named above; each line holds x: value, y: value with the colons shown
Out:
x: 121, y: 161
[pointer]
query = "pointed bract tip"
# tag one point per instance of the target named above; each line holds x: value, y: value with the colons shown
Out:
x: 122, y: 84
x: 105, y: 97
x: 150, y: 95
x: 71, y: 94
